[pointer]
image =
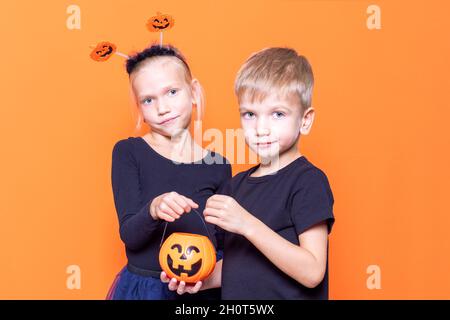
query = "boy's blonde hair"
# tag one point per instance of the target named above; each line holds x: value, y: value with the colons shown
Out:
x: 279, y: 70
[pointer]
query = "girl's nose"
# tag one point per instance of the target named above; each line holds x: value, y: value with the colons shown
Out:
x: 163, y: 108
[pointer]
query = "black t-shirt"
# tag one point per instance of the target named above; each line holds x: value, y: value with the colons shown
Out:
x: 138, y: 175
x: 292, y: 200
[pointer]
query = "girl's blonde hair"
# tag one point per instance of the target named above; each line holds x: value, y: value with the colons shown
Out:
x: 156, y: 51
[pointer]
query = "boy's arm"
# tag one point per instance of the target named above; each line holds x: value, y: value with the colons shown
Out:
x: 305, y: 263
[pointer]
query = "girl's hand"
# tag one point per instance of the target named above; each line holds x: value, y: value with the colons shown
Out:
x: 228, y: 214
x: 181, y: 287
x: 170, y: 206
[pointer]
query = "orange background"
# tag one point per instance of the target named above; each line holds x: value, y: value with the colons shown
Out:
x: 381, y: 132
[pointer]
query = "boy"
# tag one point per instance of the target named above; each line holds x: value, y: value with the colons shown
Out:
x: 278, y: 214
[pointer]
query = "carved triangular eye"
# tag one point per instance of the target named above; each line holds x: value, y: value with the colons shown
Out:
x: 192, y: 248
x: 177, y: 246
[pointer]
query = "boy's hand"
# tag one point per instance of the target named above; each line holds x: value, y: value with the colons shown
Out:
x: 181, y: 287
x: 170, y: 206
x: 228, y: 214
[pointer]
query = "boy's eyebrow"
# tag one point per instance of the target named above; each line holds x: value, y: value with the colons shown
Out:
x: 242, y: 109
x: 273, y: 107
x: 280, y: 106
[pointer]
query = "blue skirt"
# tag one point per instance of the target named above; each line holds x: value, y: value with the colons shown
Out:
x: 131, y: 286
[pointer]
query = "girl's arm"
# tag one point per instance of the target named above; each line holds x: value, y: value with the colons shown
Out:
x: 306, y: 263
x: 135, y: 221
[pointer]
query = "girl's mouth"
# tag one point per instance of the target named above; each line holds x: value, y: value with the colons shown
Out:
x: 167, y: 121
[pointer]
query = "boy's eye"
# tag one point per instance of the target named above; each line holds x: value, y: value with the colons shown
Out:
x: 172, y: 92
x: 278, y: 115
x: 248, y: 115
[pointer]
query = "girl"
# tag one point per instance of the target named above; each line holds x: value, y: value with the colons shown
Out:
x: 161, y: 176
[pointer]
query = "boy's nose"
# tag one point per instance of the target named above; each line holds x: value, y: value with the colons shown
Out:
x: 262, y: 129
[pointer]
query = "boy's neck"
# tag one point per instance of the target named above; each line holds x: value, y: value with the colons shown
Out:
x: 273, y: 165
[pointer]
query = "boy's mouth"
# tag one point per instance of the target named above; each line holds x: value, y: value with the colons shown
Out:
x: 261, y: 145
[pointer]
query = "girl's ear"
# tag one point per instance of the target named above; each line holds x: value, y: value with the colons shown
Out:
x: 307, y: 121
x: 197, y: 97
x: 195, y: 89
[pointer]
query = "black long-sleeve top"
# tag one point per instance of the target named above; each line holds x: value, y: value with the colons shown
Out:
x: 138, y: 175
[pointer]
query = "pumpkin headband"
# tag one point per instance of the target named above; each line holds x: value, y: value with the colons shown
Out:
x: 158, y: 23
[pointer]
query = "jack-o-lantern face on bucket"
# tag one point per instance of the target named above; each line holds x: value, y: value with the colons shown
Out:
x: 187, y: 257
x: 103, y: 51
x: 160, y: 22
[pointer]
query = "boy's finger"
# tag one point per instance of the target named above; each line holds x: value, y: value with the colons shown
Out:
x: 216, y: 204
x: 211, y: 212
x: 214, y: 220
x: 218, y: 197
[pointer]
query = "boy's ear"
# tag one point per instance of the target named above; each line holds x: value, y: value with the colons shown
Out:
x: 307, y: 121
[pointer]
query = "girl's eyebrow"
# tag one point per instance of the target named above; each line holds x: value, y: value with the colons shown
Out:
x: 164, y: 89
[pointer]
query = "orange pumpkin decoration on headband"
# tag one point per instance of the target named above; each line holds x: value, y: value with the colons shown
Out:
x: 160, y: 22
x: 103, y: 51
x: 187, y: 257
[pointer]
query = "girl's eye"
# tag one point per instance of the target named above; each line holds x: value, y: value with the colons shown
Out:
x: 248, y: 115
x: 147, y: 101
x: 173, y: 92
x: 278, y: 115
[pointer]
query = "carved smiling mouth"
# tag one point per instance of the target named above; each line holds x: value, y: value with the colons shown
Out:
x: 178, y: 271
x: 107, y: 52
x: 161, y: 27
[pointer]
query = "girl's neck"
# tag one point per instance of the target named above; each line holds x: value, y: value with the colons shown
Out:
x: 181, y: 148
x: 170, y: 141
